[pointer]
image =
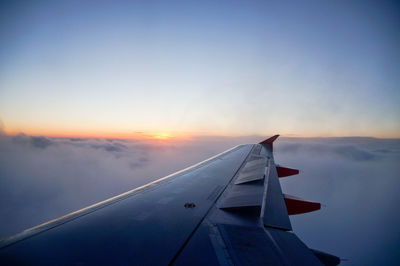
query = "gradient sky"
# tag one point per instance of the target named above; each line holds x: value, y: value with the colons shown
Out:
x: 115, y: 68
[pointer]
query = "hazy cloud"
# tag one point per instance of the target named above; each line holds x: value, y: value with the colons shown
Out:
x: 1, y: 127
x: 139, y: 163
x: 35, y: 142
x: 111, y: 147
x: 350, y: 152
x: 40, y: 142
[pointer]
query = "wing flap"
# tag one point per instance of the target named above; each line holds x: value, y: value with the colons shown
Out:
x: 243, y: 196
x: 252, y: 171
x: 258, y: 246
x: 275, y: 213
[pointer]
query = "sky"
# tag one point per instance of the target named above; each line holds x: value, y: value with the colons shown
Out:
x: 127, y: 69
x: 356, y: 180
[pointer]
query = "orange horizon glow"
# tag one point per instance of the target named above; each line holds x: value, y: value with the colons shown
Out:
x: 165, y: 136
x: 160, y: 136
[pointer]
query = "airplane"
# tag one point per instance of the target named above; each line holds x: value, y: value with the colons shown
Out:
x: 226, y: 210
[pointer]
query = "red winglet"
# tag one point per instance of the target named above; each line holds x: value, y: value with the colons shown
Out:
x: 297, y: 206
x: 269, y: 141
x: 283, y: 171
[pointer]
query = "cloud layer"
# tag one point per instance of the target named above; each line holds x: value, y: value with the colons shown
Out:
x: 356, y: 178
x: 357, y: 181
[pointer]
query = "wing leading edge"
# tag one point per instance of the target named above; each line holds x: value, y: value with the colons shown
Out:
x: 227, y: 210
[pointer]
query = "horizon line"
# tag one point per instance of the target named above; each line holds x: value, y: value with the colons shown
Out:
x: 185, y: 137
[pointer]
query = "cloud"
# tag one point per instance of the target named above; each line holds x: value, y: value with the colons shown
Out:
x: 357, y: 180
x: 356, y: 151
x: 76, y: 139
x: 40, y: 142
x: 1, y: 128
x: 111, y: 147
x: 142, y: 161
x: 36, y: 142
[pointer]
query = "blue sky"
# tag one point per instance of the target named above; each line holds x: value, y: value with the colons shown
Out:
x: 112, y: 68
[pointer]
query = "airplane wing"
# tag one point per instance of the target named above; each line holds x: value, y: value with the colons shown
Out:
x: 227, y: 210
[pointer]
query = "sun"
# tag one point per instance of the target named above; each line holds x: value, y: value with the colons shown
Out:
x: 162, y: 136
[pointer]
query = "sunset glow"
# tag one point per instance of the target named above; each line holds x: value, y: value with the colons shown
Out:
x: 162, y: 136
x: 110, y: 70
x: 179, y: 136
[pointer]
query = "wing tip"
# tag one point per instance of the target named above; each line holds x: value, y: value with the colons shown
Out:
x: 269, y: 141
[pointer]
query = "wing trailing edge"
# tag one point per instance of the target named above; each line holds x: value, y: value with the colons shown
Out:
x: 326, y: 258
